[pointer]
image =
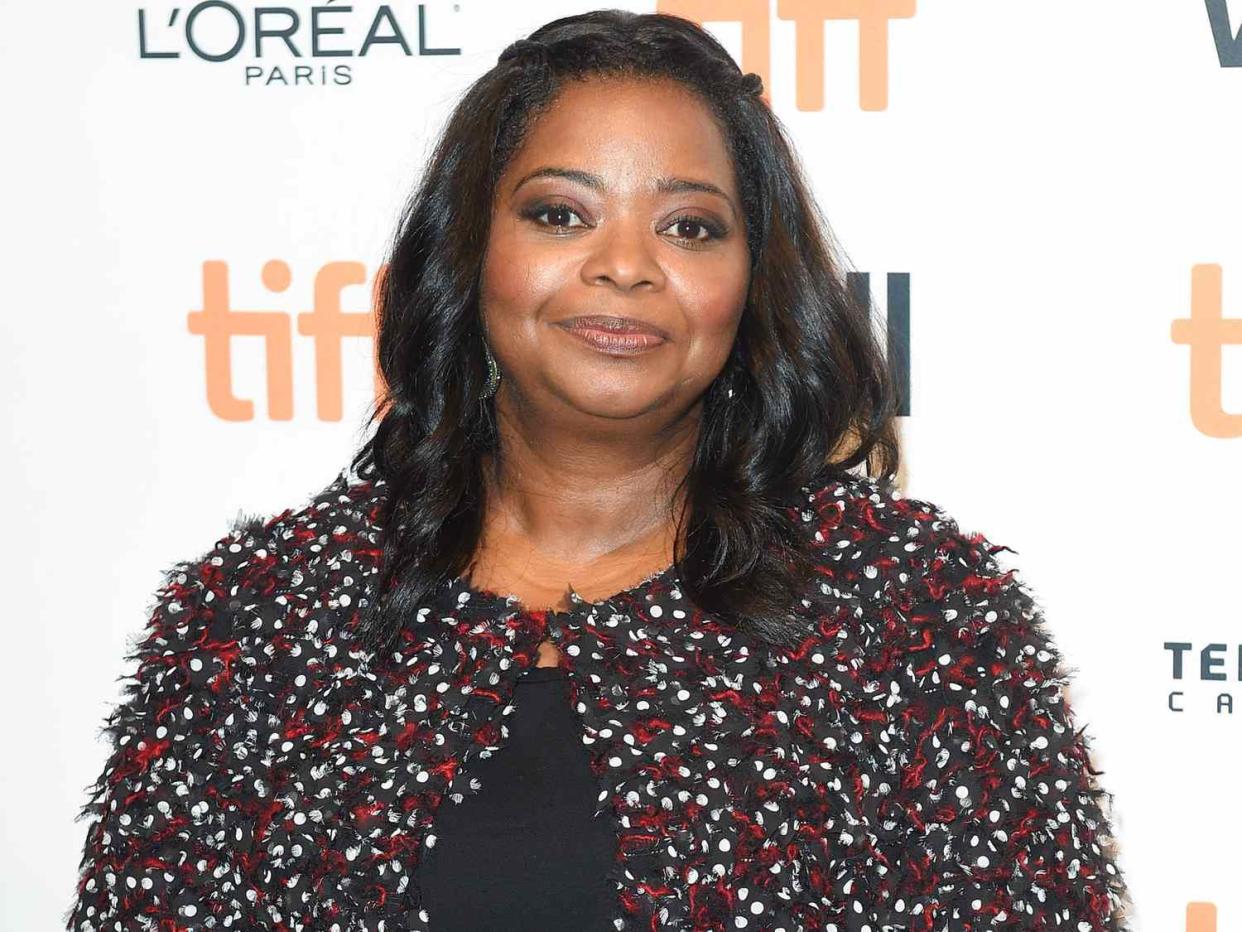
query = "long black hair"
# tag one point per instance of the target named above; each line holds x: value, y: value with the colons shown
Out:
x: 812, y: 396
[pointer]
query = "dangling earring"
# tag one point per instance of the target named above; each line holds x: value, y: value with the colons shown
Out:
x: 493, y: 374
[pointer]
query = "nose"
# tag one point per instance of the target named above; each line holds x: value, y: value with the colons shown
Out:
x: 623, y: 253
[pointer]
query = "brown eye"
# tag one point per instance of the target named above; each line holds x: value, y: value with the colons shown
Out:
x: 694, y: 226
x: 682, y: 225
x: 558, y: 215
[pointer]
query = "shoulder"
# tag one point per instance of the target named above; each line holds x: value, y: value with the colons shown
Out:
x: 926, y: 599
x: 900, y: 550
x: 220, y: 621
x: 251, y: 582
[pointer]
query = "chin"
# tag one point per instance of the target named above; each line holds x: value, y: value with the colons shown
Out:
x: 626, y: 401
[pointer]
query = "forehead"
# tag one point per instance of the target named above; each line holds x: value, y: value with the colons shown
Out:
x: 627, y: 131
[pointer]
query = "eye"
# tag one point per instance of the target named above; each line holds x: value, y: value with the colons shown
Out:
x: 699, y: 224
x: 556, y: 210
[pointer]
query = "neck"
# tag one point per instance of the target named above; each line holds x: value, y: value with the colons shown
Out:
x: 580, y: 495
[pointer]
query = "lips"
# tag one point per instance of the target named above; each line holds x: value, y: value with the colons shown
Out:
x: 613, y: 324
x: 616, y: 336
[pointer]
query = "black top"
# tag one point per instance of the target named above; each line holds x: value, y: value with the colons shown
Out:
x: 524, y: 851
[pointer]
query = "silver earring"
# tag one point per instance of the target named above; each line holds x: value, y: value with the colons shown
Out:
x: 493, y: 374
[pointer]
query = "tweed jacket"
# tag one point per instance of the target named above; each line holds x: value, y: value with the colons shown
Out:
x: 912, y: 766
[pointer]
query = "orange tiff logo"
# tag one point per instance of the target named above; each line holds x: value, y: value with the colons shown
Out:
x: 808, y: 17
x: 326, y: 323
x: 1207, y: 332
x: 1200, y: 917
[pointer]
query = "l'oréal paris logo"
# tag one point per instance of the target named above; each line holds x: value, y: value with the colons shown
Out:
x: 287, y: 46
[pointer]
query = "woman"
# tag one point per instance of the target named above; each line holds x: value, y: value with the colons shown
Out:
x: 628, y: 399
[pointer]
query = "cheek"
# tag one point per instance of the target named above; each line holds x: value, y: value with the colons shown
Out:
x: 503, y: 282
x: 516, y: 280
x: 713, y: 311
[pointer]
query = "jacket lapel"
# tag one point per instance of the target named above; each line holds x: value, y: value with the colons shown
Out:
x: 707, y: 755
x: 399, y: 732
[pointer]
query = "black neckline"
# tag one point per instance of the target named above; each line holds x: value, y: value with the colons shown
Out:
x: 511, y: 603
x: 543, y: 674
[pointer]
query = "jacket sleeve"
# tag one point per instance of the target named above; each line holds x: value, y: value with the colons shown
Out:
x: 173, y: 813
x: 1009, y: 827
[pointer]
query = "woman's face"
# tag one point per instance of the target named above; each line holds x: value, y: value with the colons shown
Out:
x: 621, y: 202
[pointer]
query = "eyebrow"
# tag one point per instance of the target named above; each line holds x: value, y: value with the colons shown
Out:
x: 663, y: 185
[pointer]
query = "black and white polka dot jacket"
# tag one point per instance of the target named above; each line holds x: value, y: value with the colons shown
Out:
x: 913, y: 766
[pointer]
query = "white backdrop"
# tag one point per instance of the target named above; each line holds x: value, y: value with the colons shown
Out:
x: 1048, y: 174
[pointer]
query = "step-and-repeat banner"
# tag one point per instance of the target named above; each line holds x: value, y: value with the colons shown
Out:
x: 1041, y: 197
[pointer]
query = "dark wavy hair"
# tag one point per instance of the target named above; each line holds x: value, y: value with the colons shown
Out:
x: 812, y: 394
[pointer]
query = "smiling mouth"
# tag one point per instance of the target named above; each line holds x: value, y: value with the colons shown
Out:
x: 619, y: 336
